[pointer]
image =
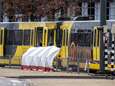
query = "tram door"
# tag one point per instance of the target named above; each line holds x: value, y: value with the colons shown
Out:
x: 38, y: 36
x: 51, y: 37
x: 65, y: 40
x: 64, y: 47
x: 2, y: 32
x: 96, y: 44
x: 50, y: 34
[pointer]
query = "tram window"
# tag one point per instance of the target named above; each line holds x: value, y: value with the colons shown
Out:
x: 58, y: 37
x: 50, y: 37
x: 26, y: 37
x: 66, y: 37
x: 91, y: 42
x: 63, y: 37
x: 80, y: 39
x: 89, y: 38
x: 84, y: 38
x: 98, y: 39
x: 73, y: 38
x: 14, y: 37
x: 10, y: 37
x: 39, y: 36
x: 1, y: 36
x: 31, y: 37
x: 94, y: 36
x: 18, y: 37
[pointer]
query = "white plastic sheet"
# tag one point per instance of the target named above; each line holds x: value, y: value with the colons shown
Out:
x: 51, y: 55
x: 13, y: 82
x: 40, y: 56
x: 26, y: 58
x: 35, y: 58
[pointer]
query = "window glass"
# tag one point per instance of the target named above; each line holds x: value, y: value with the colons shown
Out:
x: 14, y: 37
x: 58, y: 37
x: 94, y: 36
x: 26, y: 37
x: 10, y: 36
x: 50, y: 37
x: 1, y: 36
x: 98, y: 38
x: 66, y: 37
x: 91, y: 9
x: 18, y: 37
x: 82, y: 38
x: 63, y: 37
x: 107, y: 10
x: 73, y: 38
x: 39, y: 36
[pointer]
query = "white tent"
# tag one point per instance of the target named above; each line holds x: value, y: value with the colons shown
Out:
x: 27, y: 56
x: 51, y: 56
x: 40, y: 56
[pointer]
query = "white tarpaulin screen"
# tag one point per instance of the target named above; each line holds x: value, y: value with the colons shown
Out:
x: 40, y: 56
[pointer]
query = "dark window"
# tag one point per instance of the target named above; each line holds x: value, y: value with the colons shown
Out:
x: 94, y: 37
x: 50, y: 37
x: 10, y: 37
x: 1, y: 35
x: 78, y: 9
x: 82, y: 38
x: 58, y: 37
x: 39, y: 36
x: 107, y: 10
x: 98, y: 38
x: 14, y: 37
x: 91, y: 9
x: 63, y: 36
x: 67, y: 37
x: 26, y: 37
x: 31, y: 37
x: 73, y: 38
x: 18, y: 37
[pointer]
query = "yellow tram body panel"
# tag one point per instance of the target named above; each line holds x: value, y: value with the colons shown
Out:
x: 4, y: 61
x: 96, y: 53
x: 96, y: 44
x: 1, y: 50
x: 16, y: 59
x: 94, y: 66
x: 66, y: 28
x: 20, y: 50
x: 30, y: 25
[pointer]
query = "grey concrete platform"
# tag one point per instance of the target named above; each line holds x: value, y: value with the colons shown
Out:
x: 27, y: 74
x: 35, y: 78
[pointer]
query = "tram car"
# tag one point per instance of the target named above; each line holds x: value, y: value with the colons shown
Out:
x: 77, y: 45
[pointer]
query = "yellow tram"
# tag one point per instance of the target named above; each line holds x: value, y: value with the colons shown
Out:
x: 14, y: 42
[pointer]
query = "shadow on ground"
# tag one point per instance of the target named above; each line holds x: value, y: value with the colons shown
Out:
x: 92, y: 76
